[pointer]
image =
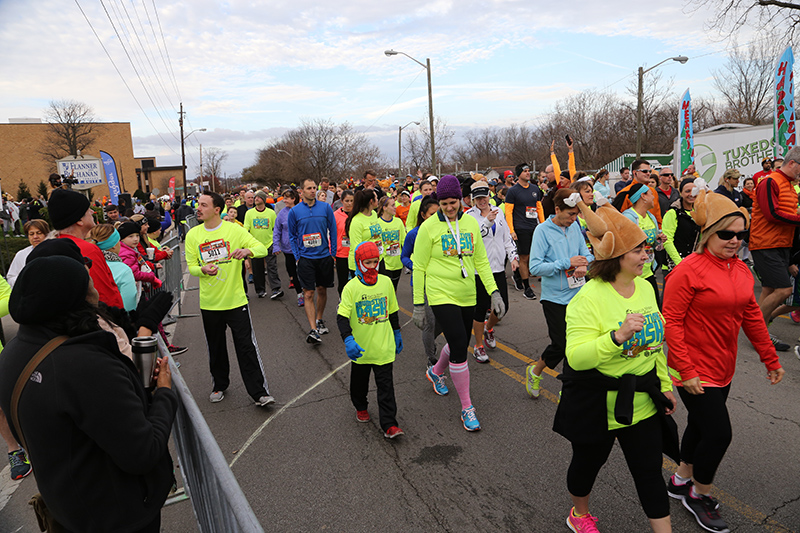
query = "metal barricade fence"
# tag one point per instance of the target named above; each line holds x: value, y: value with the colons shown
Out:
x: 191, y: 221
x: 172, y: 277
x: 217, y: 500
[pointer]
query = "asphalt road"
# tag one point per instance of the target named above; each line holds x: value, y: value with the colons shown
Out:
x: 312, y: 467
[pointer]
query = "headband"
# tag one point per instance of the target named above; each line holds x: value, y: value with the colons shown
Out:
x: 638, y: 194
x: 110, y: 242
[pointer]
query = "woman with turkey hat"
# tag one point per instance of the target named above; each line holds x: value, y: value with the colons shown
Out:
x: 616, y: 385
x: 708, y: 299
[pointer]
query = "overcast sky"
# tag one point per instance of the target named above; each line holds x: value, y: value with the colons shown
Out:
x: 249, y: 70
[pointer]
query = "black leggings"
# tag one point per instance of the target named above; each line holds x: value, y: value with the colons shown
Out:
x: 556, y: 317
x: 708, y: 432
x: 342, y: 273
x: 393, y: 275
x: 484, y: 299
x: 456, y: 324
x: 641, y: 445
x: 291, y: 269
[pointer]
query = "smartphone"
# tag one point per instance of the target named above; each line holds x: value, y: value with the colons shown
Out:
x: 569, y: 139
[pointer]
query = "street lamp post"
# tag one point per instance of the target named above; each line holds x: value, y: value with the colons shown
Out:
x: 183, y: 150
x: 400, y: 147
x: 640, y: 97
x: 427, y: 66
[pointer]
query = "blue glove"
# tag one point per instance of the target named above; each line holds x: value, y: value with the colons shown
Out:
x: 354, y: 351
x: 398, y: 342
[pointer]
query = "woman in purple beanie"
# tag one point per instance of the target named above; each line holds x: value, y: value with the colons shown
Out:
x: 447, y: 253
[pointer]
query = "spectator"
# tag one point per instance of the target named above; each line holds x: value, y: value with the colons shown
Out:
x: 36, y: 230
x: 624, y: 180
x: 667, y: 194
x: 108, y: 239
x: 766, y: 170
x: 601, y: 183
x: 95, y: 472
x: 73, y: 218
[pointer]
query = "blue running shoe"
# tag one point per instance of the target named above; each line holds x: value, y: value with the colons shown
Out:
x: 438, y: 382
x: 470, y: 419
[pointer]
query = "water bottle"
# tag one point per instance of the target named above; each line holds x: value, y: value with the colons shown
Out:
x: 145, y: 357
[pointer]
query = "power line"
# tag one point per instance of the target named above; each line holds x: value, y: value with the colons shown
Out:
x: 158, y: 19
x: 130, y: 59
x: 395, y: 101
x: 160, y: 51
x: 123, y: 78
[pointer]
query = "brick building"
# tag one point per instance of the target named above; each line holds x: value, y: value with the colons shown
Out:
x: 21, y: 143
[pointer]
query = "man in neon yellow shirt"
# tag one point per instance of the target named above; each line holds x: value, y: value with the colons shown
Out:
x: 260, y: 222
x: 214, y: 253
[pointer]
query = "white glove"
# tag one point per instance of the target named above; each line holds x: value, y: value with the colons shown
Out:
x: 498, y: 306
x: 418, y: 316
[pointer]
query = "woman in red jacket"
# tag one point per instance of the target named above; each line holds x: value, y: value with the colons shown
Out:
x: 708, y: 298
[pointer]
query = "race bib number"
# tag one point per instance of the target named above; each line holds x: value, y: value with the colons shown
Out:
x: 345, y: 242
x: 214, y: 251
x: 380, y: 247
x: 573, y: 282
x: 530, y: 212
x: 312, y: 240
x: 393, y: 250
x: 651, y: 255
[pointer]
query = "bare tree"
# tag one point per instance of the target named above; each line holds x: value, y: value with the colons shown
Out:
x: 744, y: 82
x: 418, y: 143
x: 213, y: 159
x: 315, y: 149
x: 659, y: 113
x: 71, y: 127
x: 779, y: 18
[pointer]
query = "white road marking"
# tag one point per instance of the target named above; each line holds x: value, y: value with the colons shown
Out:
x: 257, y: 432
x: 7, y: 486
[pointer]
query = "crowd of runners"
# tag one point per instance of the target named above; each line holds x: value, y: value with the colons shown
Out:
x: 626, y: 345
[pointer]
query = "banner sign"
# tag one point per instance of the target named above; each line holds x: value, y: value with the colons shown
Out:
x: 111, y: 176
x: 783, y: 119
x: 172, y: 188
x: 88, y: 171
x: 685, y: 133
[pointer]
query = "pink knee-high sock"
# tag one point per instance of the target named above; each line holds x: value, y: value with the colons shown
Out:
x: 459, y: 373
x: 444, y: 360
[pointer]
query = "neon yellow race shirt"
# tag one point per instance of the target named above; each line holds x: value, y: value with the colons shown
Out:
x: 224, y: 290
x: 368, y: 308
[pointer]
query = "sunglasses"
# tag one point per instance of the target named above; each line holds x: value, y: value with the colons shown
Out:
x: 668, y: 174
x: 727, y: 235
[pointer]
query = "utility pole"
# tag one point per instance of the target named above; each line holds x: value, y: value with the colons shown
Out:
x: 201, y: 166
x: 183, y: 152
x: 430, y: 115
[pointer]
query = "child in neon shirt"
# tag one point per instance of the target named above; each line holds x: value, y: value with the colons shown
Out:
x: 368, y: 322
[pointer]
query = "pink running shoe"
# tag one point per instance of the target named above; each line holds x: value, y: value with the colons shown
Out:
x: 583, y: 524
x: 795, y: 316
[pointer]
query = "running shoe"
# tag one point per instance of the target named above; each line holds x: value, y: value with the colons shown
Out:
x: 265, y: 400
x: 277, y: 294
x: 529, y: 294
x: 177, y: 350
x: 679, y: 492
x: 216, y: 396
x: 795, y: 315
x: 20, y: 466
x: 488, y: 338
x: 313, y: 337
x: 393, y: 432
x: 322, y: 329
x: 532, y: 382
x: 301, y: 300
x: 470, y: 419
x: 438, y: 382
x: 705, y: 510
x: 797, y: 351
x: 480, y: 354
x: 249, y: 278
x: 779, y: 344
x: 262, y: 294
x: 582, y: 524
x: 517, y: 281
x: 362, y: 416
